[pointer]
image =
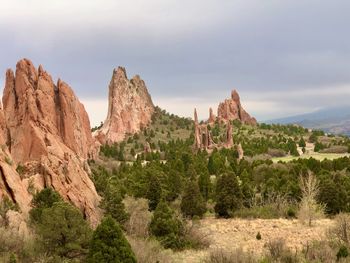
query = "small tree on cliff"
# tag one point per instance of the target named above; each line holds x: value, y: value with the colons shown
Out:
x: 44, y: 199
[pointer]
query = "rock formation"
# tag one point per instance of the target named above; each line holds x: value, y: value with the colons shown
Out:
x: 130, y: 108
x: 231, y: 109
x: 46, y: 129
x: 203, y: 137
x: 229, y: 139
x: 212, y: 117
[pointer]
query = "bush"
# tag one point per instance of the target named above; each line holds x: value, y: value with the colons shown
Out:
x: 341, y: 230
x: 194, y: 237
x: 149, y: 251
x: 278, y: 251
x: 236, y: 256
x: 139, y: 217
x: 342, y: 252
x: 258, y: 236
x: 319, y: 251
x: 109, y: 244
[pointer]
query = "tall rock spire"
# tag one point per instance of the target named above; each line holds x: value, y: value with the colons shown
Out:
x: 130, y: 107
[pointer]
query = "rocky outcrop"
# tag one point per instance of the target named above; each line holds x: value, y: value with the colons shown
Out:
x: 46, y: 129
x: 240, y: 151
x: 229, y: 138
x: 212, y: 117
x: 202, y: 136
x: 130, y: 108
x: 231, y: 109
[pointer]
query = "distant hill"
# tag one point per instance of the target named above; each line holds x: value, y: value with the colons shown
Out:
x: 332, y: 120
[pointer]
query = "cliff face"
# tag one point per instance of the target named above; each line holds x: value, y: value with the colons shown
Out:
x: 231, y: 109
x: 130, y: 108
x: 45, y: 128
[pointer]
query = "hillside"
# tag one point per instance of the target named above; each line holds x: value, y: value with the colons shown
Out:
x: 331, y: 120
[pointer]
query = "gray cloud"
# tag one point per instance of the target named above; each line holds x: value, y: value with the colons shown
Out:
x: 197, y: 51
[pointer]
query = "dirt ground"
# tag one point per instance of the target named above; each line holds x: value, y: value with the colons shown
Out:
x: 229, y: 234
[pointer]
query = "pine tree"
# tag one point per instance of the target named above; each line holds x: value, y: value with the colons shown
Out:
x: 63, y: 230
x: 154, y: 192
x: 166, y: 227
x: 44, y: 199
x: 174, y: 185
x: 192, y: 203
x: 302, y: 142
x: 109, y: 244
x: 205, y: 185
x: 228, y: 195
x: 113, y: 205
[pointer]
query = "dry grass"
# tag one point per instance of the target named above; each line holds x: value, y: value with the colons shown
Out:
x: 140, y: 217
x: 232, y: 234
x: 149, y: 251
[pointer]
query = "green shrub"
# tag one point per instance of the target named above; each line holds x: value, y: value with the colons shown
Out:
x: 109, y: 244
x: 44, y: 199
x: 166, y: 227
x: 258, y: 236
x: 63, y: 231
x: 342, y: 252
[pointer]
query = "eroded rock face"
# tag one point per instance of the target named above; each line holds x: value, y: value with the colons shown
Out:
x: 44, y: 127
x: 231, y: 109
x: 130, y: 108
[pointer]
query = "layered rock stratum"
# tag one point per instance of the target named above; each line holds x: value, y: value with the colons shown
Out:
x: 130, y: 108
x: 45, y: 130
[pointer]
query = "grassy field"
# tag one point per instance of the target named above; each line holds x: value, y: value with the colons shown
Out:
x: 230, y: 234
x: 317, y: 156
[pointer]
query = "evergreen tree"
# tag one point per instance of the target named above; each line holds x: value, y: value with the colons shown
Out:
x: 166, y: 227
x: 109, y: 244
x: 113, y: 205
x: 302, y: 142
x: 205, y: 184
x: 63, y: 230
x: 228, y: 195
x: 174, y: 185
x: 44, y: 199
x: 211, y: 167
x: 192, y: 203
x: 154, y: 192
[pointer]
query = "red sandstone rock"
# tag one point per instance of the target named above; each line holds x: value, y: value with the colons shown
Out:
x: 212, y: 117
x: 130, y: 108
x: 45, y: 128
x: 231, y: 109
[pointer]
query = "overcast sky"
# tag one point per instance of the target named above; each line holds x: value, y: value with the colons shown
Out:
x: 284, y: 57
